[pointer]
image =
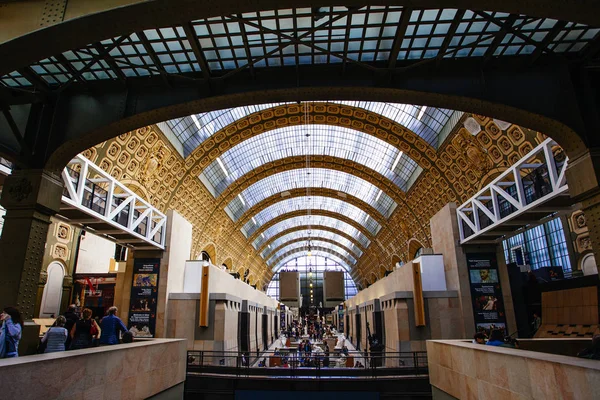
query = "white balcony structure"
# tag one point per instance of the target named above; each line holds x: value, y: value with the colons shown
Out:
x: 532, y: 189
x: 105, y: 206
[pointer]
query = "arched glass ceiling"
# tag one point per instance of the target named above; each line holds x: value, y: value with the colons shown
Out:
x: 315, y: 243
x: 315, y: 233
x: 318, y: 178
x: 315, y: 253
x: 426, y: 122
x: 315, y: 221
x: 315, y: 203
x: 289, y: 141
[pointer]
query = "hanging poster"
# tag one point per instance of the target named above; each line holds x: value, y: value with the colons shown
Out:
x: 341, y: 318
x: 486, y: 293
x: 282, y: 321
x: 144, y: 296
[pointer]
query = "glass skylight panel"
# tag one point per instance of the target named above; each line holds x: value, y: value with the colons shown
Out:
x: 52, y: 71
x: 14, y: 79
x: 574, y: 37
x: 316, y: 203
x: 318, y: 178
x: 315, y: 222
x: 315, y: 253
x: 303, y: 235
x: 291, y: 141
x: 299, y: 245
x: 173, y: 49
x: 133, y: 59
x: 91, y: 68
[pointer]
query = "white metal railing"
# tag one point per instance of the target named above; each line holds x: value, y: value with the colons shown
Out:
x: 533, y: 180
x: 91, y: 190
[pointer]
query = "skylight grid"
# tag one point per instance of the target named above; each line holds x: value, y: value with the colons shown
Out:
x: 316, y: 243
x: 90, y: 69
x: 316, y: 203
x: 332, y: 257
x: 291, y: 141
x: 321, y: 178
x: 315, y: 221
x: 425, y: 33
x: 52, y: 71
x: 474, y: 35
x: 172, y: 49
x: 573, y: 38
x: 303, y: 235
x: 428, y: 127
x: 15, y: 79
x: 132, y: 57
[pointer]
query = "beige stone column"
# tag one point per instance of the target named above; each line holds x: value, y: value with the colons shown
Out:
x: 445, y: 240
x: 30, y: 197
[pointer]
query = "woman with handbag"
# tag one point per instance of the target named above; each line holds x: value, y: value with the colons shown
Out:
x: 84, y: 331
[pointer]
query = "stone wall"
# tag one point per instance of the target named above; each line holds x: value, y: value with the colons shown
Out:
x: 462, y: 370
x: 129, y: 371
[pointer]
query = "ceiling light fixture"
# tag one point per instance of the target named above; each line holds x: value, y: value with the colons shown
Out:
x: 379, y: 194
x: 421, y: 112
x: 253, y: 220
x: 196, y: 122
x: 242, y: 199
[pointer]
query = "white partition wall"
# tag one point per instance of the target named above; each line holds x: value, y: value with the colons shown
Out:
x: 432, y: 272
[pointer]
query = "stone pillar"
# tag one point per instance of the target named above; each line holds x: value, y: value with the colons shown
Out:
x: 445, y: 239
x: 30, y: 197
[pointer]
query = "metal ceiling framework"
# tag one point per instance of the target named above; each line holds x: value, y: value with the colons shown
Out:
x: 209, y: 55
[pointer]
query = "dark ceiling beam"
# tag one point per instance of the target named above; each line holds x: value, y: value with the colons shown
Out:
x: 110, y: 61
x: 448, y: 39
x: 13, y: 127
x: 155, y: 60
x: 246, y: 46
x: 543, y: 47
x: 35, y: 79
x: 500, y: 35
x: 198, y: 53
x: 400, y: 33
x: 95, y: 58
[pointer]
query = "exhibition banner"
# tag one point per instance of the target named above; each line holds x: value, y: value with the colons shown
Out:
x: 144, y: 297
x: 282, y: 321
x: 486, y: 293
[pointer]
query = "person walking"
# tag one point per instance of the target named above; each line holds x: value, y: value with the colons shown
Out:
x: 110, y: 327
x: 56, y: 337
x: 84, y: 331
x: 10, y: 332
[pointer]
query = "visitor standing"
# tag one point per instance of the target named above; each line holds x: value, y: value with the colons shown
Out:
x: 56, y: 337
x: 10, y: 332
x: 110, y: 326
x: 84, y: 331
x: 71, y: 318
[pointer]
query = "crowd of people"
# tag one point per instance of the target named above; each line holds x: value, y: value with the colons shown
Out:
x: 71, y: 331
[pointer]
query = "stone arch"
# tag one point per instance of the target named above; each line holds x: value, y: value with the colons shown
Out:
x: 299, y: 213
x: 395, y: 260
x: 304, y: 227
x: 413, y: 246
x: 228, y: 263
x: 210, y: 249
x: 274, y: 251
x: 382, y: 271
x: 372, y: 278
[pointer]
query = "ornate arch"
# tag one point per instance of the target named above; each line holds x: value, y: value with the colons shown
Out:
x: 211, y: 250
x: 316, y: 248
x: 299, y: 213
x: 274, y: 251
x: 413, y: 246
x: 304, y: 227
x: 301, y: 192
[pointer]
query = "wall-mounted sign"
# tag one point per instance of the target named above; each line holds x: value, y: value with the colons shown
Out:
x: 486, y: 292
x: 144, y: 296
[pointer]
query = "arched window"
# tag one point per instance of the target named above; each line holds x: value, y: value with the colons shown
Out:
x: 418, y: 253
x: 204, y: 256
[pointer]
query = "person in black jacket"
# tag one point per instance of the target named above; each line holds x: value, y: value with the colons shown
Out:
x: 72, y: 317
